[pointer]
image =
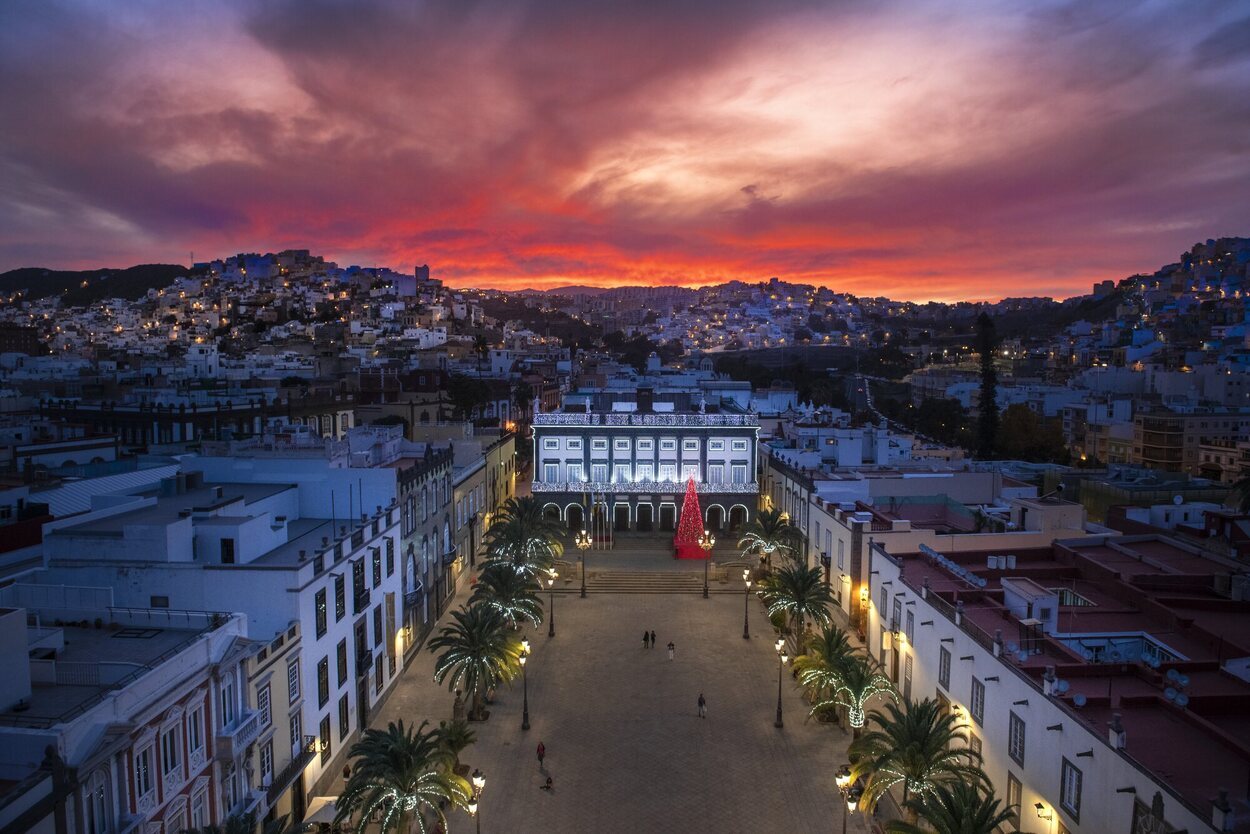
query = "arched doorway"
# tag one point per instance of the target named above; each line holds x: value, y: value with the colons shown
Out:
x: 645, y: 520
x: 715, y: 518
x: 737, y: 517
x: 576, y: 518
x: 551, y: 512
x: 668, y: 517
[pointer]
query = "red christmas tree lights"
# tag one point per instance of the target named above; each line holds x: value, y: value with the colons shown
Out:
x: 690, y: 527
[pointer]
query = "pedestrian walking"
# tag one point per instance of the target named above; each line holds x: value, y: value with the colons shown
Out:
x: 671, y: 649
x: 646, y: 640
x: 542, y: 754
x: 653, y: 639
x: 702, y: 706
x: 548, y: 786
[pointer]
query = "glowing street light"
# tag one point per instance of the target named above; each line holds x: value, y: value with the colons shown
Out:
x: 782, y: 657
x: 525, y: 682
x: 705, y: 542
x: 746, y: 603
x: 551, y: 608
x: 583, y: 544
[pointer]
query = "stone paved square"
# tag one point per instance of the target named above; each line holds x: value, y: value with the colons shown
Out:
x: 625, y: 746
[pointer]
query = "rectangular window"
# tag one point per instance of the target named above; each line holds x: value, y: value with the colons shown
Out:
x: 668, y: 472
x: 292, y: 680
x: 195, y: 729
x: 599, y: 444
x: 668, y: 444
x: 169, y: 751
x: 574, y: 470
x: 158, y: 602
x: 716, y: 445
x: 620, y: 474
x: 689, y: 470
x: 1070, y: 790
x: 599, y: 473
x: 645, y: 472
x: 645, y: 444
x: 199, y: 809
x: 690, y: 445
x: 297, y: 734
x: 574, y: 444
x: 227, y: 551
x: 344, y: 720
x: 907, y: 678
x: 944, y: 667
x: 738, y: 473
x: 1015, y: 739
x: 974, y: 743
x: 340, y: 597
x: 325, y: 739
x: 884, y: 604
x: 1015, y: 795
x: 621, y: 444
x: 377, y: 625
x: 225, y: 702
x: 716, y: 473
x: 143, y: 772
x: 266, y: 763
x: 841, y: 555
x: 551, y: 472
x: 264, y: 706
x: 977, y: 704
x: 319, y: 611
x: 377, y: 566
x: 739, y: 445
x: 910, y: 627
x: 551, y: 444
x: 390, y: 557
x: 323, y: 681
x: 341, y: 655
x: 896, y: 615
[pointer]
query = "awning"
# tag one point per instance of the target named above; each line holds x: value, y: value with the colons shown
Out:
x: 322, y: 809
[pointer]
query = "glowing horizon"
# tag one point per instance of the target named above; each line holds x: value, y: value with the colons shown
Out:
x: 912, y: 149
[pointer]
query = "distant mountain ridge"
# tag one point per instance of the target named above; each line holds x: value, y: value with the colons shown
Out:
x: 86, y: 286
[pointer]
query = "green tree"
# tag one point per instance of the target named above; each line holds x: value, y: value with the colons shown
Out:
x: 824, y: 661
x: 915, y: 745
x: 853, y: 689
x: 454, y: 737
x: 957, y: 808
x: 524, y: 537
x: 987, y: 422
x: 799, y: 594
x: 478, y: 653
x: 771, y: 532
x: 1023, y: 435
x: 504, y: 589
x: 401, y: 774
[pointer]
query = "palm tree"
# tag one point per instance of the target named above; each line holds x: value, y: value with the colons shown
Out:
x: 771, y: 532
x: 916, y: 745
x: 824, y: 660
x: 852, y: 689
x: 478, y: 653
x: 400, y: 773
x: 957, y: 808
x: 799, y: 594
x: 1239, y: 496
x: 524, y: 537
x: 454, y: 737
x: 502, y: 588
x: 481, y: 346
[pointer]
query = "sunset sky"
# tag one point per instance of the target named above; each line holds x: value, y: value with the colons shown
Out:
x: 928, y: 149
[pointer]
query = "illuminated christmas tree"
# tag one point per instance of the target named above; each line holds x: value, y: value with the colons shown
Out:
x: 690, y: 527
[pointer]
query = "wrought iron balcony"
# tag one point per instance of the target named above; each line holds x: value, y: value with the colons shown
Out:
x: 560, y: 418
x: 286, y: 777
x: 361, y: 601
x: 642, y: 487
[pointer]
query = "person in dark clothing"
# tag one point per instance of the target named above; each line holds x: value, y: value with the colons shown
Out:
x: 702, y: 706
x: 646, y: 640
x: 542, y: 754
x: 653, y: 639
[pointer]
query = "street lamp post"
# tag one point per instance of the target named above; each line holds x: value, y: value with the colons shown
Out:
x: 583, y: 544
x: 746, y: 603
x: 780, y: 646
x: 525, y: 683
x: 479, y: 785
x: 851, y: 792
x: 551, y: 608
x: 706, y: 541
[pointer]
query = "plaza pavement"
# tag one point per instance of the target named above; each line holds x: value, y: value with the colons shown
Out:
x: 625, y: 746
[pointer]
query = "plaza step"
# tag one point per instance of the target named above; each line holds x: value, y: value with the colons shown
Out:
x: 645, y: 582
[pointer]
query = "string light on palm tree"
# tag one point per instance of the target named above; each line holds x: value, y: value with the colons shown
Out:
x: 551, y: 609
x: 706, y: 541
x: 583, y: 544
x: 746, y: 604
x: 782, y: 657
x: 525, y: 683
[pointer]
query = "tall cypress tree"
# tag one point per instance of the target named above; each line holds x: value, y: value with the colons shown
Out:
x: 987, y: 423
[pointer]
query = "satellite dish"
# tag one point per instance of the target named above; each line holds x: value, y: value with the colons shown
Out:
x: 1182, y: 700
x: 1062, y: 686
x: 1115, y: 654
x: 1078, y: 699
x: 1013, y: 648
x: 1183, y: 680
x: 1089, y: 654
x: 1024, y: 655
x: 982, y: 581
x: 1178, y: 500
x: 1170, y: 694
x: 1173, y: 674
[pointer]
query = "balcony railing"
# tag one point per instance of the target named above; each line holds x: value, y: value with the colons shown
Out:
x: 286, y: 777
x: 641, y: 487
x: 360, y: 602
x: 364, y: 663
x: 677, y: 420
x: 234, y: 739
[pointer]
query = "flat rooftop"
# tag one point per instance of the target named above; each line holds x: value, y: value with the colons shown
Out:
x: 168, y: 508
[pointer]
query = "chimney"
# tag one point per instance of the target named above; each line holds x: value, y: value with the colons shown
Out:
x: 1048, y: 681
x: 303, y: 555
x: 325, y: 540
x: 1116, y: 736
x: 217, y: 492
x: 646, y: 400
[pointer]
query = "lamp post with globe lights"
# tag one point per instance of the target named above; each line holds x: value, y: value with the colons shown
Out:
x: 782, y: 657
x: 851, y: 792
x: 525, y: 684
x: 479, y: 784
x: 706, y: 541
x: 551, y: 609
x: 583, y: 544
x: 746, y: 604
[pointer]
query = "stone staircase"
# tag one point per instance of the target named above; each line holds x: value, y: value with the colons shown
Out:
x: 646, y: 582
